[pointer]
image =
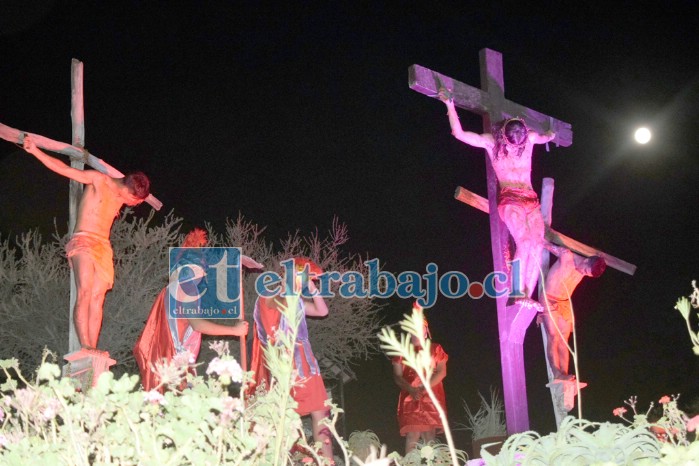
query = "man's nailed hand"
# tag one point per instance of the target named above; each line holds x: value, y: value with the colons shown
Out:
x: 445, y: 95
x: 28, y: 143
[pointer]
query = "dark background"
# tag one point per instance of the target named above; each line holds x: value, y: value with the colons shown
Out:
x: 294, y: 112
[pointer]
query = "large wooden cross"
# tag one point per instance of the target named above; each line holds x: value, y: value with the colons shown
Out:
x: 561, y: 394
x: 79, y: 157
x: 490, y: 102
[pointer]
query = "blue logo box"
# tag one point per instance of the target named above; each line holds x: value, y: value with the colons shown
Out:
x: 204, y: 283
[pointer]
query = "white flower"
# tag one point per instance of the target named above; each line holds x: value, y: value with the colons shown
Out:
x: 3, y: 441
x: 231, y: 406
x: 226, y: 368
x: 24, y: 399
x: 185, y: 358
x: 50, y: 409
x: 154, y: 396
x: 427, y: 452
x: 169, y: 373
x: 220, y: 347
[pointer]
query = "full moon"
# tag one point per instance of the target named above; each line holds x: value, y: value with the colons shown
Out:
x: 642, y: 135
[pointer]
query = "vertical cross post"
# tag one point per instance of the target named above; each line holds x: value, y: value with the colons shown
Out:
x: 77, y: 114
x: 511, y: 351
x: 547, y: 188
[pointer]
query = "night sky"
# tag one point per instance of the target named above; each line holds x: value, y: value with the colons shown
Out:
x: 292, y: 114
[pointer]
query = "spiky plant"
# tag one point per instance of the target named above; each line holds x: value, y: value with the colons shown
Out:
x: 433, y: 454
x: 489, y: 420
x: 360, y: 443
x: 579, y: 441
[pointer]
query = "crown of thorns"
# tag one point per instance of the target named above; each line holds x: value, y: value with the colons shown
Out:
x: 501, y: 131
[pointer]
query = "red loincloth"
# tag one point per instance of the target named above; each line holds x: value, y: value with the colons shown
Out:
x: 98, y: 249
x: 421, y: 415
x: 561, y: 306
x: 519, y: 197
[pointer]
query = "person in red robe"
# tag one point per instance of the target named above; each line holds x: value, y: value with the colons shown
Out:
x: 417, y: 415
x: 309, y: 389
x: 163, y: 336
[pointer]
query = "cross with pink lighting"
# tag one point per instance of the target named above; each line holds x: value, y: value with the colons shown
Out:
x: 510, y: 132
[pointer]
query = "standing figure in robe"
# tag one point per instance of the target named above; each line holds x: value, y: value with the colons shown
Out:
x: 418, y: 417
x: 309, y: 388
x: 165, y: 336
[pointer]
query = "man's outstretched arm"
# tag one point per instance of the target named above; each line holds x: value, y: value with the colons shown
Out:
x: 557, y: 250
x: 467, y: 137
x: 536, y: 138
x: 53, y: 164
x: 211, y: 328
x: 553, y: 248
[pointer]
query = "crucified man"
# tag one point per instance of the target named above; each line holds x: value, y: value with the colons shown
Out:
x: 89, y: 251
x: 562, y: 279
x: 509, y: 148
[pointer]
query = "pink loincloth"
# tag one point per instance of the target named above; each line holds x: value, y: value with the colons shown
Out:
x: 521, y: 197
x: 98, y: 249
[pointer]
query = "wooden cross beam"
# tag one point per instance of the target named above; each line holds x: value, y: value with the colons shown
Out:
x: 486, y: 102
x: 75, y: 153
x: 490, y: 102
x: 481, y: 203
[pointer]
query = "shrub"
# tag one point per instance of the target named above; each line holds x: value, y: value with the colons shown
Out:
x: 34, y: 290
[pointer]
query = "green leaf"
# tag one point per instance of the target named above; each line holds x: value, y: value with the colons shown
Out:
x: 48, y: 371
x: 9, y: 363
x: 9, y: 385
x: 684, y: 307
x: 104, y: 383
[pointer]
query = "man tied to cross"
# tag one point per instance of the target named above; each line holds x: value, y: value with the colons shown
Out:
x: 562, y: 279
x: 89, y: 250
x: 509, y: 148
